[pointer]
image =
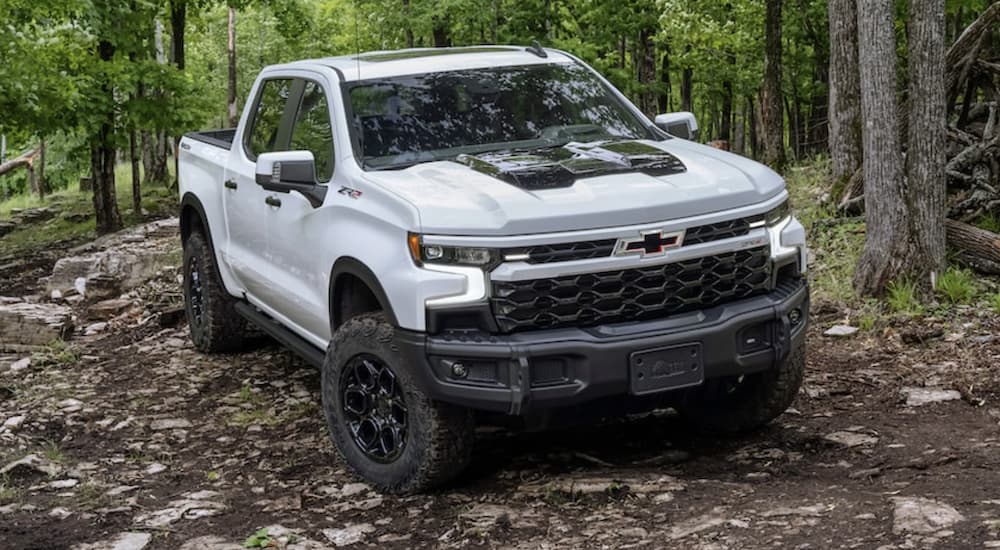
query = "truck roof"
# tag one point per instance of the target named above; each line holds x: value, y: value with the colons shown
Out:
x: 390, y: 63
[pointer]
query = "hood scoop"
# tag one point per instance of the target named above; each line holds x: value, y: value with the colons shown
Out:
x: 554, y: 167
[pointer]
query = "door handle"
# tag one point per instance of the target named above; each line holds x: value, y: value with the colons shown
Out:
x: 273, y: 201
x: 230, y: 184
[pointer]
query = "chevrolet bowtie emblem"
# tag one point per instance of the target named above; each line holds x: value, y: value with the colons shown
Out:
x: 650, y: 243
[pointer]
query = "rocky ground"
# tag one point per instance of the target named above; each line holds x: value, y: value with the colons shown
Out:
x: 126, y: 438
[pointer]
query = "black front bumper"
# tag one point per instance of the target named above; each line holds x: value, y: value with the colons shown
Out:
x: 543, y: 370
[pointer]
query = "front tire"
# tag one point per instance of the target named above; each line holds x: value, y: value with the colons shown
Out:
x: 388, y: 431
x: 215, y: 326
x: 740, y: 404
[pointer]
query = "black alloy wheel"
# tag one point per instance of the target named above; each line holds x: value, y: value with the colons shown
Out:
x: 374, y: 408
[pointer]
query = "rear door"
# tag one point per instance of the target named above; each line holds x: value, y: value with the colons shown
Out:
x: 296, y: 225
x: 267, y: 128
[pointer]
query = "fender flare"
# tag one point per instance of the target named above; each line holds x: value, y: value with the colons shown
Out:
x: 348, y: 265
x: 191, y: 202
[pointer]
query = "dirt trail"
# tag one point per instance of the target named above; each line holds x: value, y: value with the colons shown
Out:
x: 138, y: 439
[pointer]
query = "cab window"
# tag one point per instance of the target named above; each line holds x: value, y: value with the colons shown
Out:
x: 264, y: 136
x: 312, y: 131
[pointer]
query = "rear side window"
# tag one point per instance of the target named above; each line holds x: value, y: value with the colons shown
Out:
x: 312, y: 131
x: 264, y: 136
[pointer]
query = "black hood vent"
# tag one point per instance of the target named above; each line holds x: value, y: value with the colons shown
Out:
x: 554, y: 167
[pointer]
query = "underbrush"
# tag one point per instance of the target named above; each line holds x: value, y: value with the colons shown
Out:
x: 74, y: 219
x: 835, y: 243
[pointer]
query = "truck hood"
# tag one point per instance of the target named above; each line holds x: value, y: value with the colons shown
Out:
x: 463, y: 198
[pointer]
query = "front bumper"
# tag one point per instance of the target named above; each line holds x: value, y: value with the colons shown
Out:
x: 535, y: 371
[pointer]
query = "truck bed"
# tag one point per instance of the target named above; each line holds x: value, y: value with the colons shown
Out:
x: 220, y: 138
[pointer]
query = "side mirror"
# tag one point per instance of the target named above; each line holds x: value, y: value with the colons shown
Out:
x: 287, y: 171
x: 286, y: 167
x: 682, y: 124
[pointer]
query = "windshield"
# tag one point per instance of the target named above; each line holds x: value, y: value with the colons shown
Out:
x: 405, y: 120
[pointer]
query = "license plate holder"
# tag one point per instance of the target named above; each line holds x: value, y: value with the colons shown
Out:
x: 666, y: 368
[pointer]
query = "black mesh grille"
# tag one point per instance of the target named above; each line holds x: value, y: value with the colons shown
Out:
x: 718, y: 231
x: 565, y: 252
x: 631, y: 294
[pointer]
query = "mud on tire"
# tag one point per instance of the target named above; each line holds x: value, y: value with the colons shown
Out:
x: 215, y: 326
x: 437, y: 437
x: 732, y: 405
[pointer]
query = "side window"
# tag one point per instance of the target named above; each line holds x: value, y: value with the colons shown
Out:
x: 267, y: 118
x: 312, y: 131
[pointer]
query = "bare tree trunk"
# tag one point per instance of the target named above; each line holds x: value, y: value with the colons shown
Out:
x: 647, y: 71
x: 231, y: 51
x: 925, y: 157
x: 770, y: 93
x: 439, y: 33
x: 178, y: 21
x: 739, y: 131
x: 666, y: 99
x: 687, y: 89
x: 136, y: 190
x: 887, y: 252
x: 845, y: 90
x: 102, y: 160
x: 42, y: 189
x: 726, y: 128
x: 752, y: 122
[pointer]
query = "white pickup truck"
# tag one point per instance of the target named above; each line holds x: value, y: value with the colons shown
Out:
x: 490, y: 234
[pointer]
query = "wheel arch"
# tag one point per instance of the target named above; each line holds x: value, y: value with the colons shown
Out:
x: 347, y: 272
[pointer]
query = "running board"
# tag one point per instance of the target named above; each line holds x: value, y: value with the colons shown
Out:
x: 310, y: 353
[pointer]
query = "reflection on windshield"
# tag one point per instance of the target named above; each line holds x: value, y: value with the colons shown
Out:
x: 404, y: 120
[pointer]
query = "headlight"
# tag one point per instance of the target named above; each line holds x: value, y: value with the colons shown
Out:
x: 451, y: 255
x: 773, y: 216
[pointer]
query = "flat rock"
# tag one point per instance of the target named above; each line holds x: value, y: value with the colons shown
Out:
x: 106, y: 309
x: 169, y: 423
x: 922, y: 515
x: 840, y: 331
x: 117, y: 262
x: 123, y: 541
x: 14, y: 422
x: 192, y: 506
x: 485, y: 516
x: 29, y: 466
x: 916, y: 397
x: 851, y: 439
x: 27, y: 324
x: 20, y: 364
x: 210, y: 542
x: 351, y: 534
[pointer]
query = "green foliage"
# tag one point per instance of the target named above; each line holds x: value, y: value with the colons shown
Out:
x: 260, y: 539
x: 904, y: 298
x: 958, y: 286
x: 994, y: 302
x: 989, y: 222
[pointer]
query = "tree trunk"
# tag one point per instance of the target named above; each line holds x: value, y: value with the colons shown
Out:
x: 770, y: 93
x: 647, y: 71
x: 752, y: 122
x: 408, y: 22
x: 102, y: 159
x: 136, y: 191
x: 925, y: 157
x: 440, y: 33
x: 666, y: 101
x: 178, y: 19
x: 726, y: 128
x: 687, y: 89
x: 231, y: 51
x: 845, y: 90
x: 887, y: 252
x: 42, y: 189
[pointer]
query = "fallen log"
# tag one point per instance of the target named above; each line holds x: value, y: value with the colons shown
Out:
x: 26, y: 160
x: 977, y: 248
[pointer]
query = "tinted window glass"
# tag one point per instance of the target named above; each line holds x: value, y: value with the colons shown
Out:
x: 264, y: 135
x: 437, y: 116
x: 312, y: 131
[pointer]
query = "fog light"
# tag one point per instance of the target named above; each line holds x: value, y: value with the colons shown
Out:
x: 459, y: 370
x: 794, y: 316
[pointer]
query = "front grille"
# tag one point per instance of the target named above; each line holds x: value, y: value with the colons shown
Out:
x: 631, y: 294
x: 565, y: 252
x: 586, y: 250
x: 718, y: 231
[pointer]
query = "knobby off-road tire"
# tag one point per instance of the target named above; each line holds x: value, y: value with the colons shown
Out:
x: 438, y: 437
x: 729, y: 405
x: 215, y: 325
